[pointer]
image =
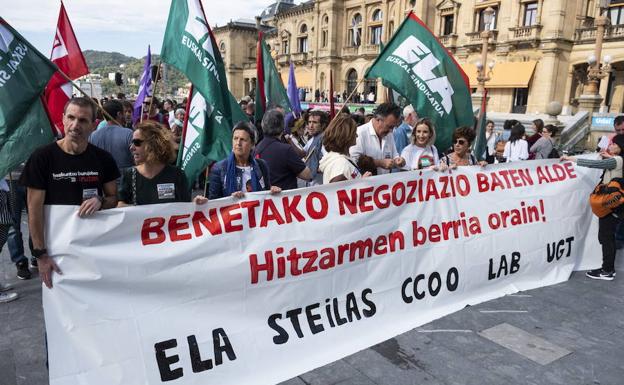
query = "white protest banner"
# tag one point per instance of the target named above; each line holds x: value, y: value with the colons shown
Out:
x: 259, y: 290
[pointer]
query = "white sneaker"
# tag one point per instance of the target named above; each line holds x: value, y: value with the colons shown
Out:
x: 5, y: 287
x: 8, y: 297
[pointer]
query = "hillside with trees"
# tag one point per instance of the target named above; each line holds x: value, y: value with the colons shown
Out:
x: 103, y: 63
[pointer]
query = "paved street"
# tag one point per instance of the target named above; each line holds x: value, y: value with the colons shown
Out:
x: 571, y: 333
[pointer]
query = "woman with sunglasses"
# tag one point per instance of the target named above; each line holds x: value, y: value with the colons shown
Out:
x: 421, y: 153
x: 153, y: 179
x: 461, y: 154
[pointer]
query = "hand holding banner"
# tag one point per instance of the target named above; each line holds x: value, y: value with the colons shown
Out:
x: 263, y: 289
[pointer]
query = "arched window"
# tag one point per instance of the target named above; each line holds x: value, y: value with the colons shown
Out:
x: 355, y: 31
x: 370, y: 85
x: 375, y: 28
x: 302, y: 40
x: 222, y: 47
x: 351, y: 80
x: 285, y: 43
x: 377, y: 15
x: 324, y: 31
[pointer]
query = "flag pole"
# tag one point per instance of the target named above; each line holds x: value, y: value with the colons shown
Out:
x: 206, y: 181
x: 154, y: 88
x: 348, y: 98
x: 106, y: 114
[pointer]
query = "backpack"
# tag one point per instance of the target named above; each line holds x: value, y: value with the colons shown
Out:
x: 553, y: 154
x: 607, y: 198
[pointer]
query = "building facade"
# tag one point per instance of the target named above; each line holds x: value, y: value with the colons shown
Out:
x: 539, y: 48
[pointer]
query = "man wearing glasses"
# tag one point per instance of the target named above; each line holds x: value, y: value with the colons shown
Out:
x: 373, y: 139
x: 70, y: 171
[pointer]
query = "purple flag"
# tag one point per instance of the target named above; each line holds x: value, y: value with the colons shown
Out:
x: 293, y: 94
x: 145, y: 87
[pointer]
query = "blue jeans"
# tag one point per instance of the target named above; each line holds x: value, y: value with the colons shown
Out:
x: 15, y: 241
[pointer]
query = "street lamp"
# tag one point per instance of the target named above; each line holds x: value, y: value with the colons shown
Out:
x: 482, y: 77
x: 596, y: 71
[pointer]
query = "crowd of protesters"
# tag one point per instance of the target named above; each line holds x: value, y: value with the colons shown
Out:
x: 133, y: 163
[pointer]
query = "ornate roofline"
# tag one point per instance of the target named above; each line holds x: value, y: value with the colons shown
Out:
x: 296, y: 10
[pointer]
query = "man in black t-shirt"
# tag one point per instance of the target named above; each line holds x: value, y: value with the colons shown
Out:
x: 69, y: 171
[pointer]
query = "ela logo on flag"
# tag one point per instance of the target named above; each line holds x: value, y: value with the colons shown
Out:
x: 414, y: 56
x: 196, y: 26
x: 199, y: 40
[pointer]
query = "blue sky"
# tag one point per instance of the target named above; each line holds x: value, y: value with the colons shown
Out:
x: 125, y: 26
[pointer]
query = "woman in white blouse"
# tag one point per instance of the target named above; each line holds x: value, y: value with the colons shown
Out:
x: 516, y: 147
x: 421, y: 153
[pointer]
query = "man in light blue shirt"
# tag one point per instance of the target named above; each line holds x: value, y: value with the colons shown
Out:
x: 114, y: 138
x: 402, y: 132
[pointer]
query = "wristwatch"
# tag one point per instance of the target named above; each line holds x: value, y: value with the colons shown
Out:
x: 38, y: 253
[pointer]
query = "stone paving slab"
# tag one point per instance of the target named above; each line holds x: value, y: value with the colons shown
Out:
x: 529, y: 345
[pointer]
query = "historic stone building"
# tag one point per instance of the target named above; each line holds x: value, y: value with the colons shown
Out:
x: 539, y: 48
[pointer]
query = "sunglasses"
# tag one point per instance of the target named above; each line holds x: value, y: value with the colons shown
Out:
x: 137, y: 142
x: 460, y: 141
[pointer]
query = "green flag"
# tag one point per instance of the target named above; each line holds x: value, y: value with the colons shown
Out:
x: 24, y: 73
x: 417, y: 66
x: 189, y: 46
x: 201, y: 123
x: 270, y: 91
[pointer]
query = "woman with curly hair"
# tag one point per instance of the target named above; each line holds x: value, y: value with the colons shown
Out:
x: 461, y: 155
x: 153, y: 180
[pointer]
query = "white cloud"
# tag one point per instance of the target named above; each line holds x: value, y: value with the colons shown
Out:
x: 138, y: 17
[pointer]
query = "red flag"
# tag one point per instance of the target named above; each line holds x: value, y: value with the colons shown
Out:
x: 332, y: 108
x: 260, y: 97
x: 66, y: 54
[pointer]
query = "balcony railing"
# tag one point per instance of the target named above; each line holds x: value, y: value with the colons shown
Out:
x: 525, y: 35
x: 588, y: 34
x: 350, y: 51
x: 475, y: 37
x: 300, y: 56
x: 283, y: 58
x: 475, y: 40
x: 449, y: 41
x: 531, y: 32
x: 372, y: 49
